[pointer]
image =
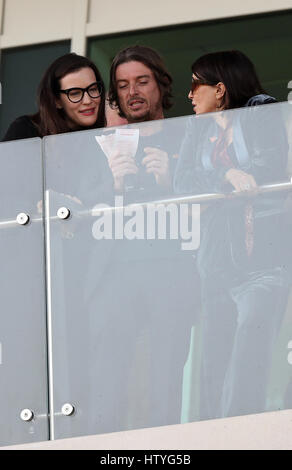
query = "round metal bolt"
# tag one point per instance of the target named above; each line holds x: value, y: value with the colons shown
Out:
x: 22, y: 218
x: 26, y: 415
x: 68, y: 409
x: 63, y: 213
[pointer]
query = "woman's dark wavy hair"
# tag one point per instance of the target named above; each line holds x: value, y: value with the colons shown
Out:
x: 235, y: 70
x: 50, y: 120
x: 151, y: 59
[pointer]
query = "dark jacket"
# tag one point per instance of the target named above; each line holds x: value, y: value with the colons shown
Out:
x: 21, y: 128
x: 261, y: 149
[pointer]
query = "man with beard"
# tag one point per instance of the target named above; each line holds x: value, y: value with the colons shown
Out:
x: 140, y: 88
x: 145, y: 306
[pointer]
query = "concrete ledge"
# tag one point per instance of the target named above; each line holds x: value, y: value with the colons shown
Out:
x: 254, y: 432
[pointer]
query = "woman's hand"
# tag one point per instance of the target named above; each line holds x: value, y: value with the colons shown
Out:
x: 240, y: 180
x: 157, y: 162
x: 121, y: 165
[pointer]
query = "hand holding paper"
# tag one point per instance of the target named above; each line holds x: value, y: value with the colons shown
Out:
x: 157, y: 162
x: 120, y: 149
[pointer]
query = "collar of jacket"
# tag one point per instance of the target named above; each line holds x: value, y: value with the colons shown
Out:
x: 260, y: 99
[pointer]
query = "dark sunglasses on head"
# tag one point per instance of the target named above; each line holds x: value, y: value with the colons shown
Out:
x: 76, y: 94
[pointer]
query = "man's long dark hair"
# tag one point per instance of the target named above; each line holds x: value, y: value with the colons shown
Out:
x: 151, y: 59
x: 50, y: 120
x: 235, y: 70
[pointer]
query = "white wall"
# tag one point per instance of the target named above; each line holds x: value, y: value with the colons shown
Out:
x: 33, y: 21
x: 28, y: 22
x: 154, y: 13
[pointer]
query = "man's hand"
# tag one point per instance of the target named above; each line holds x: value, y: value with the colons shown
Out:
x: 240, y: 180
x: 157, y: 162
x: 121, y: 165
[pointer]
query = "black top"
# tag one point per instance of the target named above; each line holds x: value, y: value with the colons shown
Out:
x: 21, y: 128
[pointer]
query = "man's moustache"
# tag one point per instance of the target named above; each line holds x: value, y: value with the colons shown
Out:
x: 136, y: 99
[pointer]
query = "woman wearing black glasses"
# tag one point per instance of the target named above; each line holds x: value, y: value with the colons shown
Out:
x: 71, y: 97
x: 243, y: 255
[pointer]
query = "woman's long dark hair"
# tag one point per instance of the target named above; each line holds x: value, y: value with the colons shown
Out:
x: 235, y: 70
x: 50, y: 120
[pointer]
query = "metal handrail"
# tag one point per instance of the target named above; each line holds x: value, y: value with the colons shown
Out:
x: 195, y: 199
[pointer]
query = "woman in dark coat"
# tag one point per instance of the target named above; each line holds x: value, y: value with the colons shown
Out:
x: 242, y: 259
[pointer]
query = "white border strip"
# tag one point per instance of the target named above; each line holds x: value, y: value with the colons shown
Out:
x: 49, y: 317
